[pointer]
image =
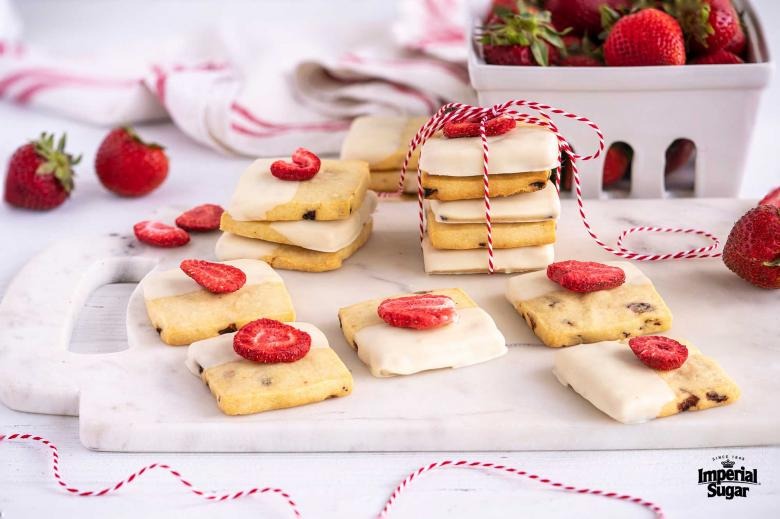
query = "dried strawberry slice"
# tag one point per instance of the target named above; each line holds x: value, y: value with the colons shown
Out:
x: 304, y: 166
x: 270, y: 341
x: 661, y: 353
x: 160, y: 234
x: 201, y: 218
x: 420, y: 312
x: 217, y: 278
x: 585, y: 276
x: 493, y: 127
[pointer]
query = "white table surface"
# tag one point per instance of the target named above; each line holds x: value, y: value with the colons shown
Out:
x: 325, y: 485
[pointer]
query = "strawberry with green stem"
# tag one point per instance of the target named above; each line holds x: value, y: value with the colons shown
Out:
x: 522, y: 38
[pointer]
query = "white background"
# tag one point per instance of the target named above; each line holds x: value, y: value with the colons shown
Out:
x: 325, y: 485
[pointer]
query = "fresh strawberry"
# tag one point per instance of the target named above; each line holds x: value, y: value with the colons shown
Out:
x: 752, y: 250
x: 128, y: 166
x: 523, y: 38
x: 493, y: 127
x: 656, y: 352
x: 581, y: 16
x: 421, y: 312
x: 217, y: 278
x: 580, y: 60
x: 708, y: 25
x: 772, y: 198
x: 160, y: 234
x: 678, y: 154
x: 269, y: 341
x: 40, y: 174
x: 738, y: 44
x: 304, y: 166
x: 719, y: 57
x: 585, y: 276
x: 201, y: 218
x: 646, y: 38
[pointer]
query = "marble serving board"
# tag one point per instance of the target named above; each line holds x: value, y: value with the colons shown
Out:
x: 144, y: 398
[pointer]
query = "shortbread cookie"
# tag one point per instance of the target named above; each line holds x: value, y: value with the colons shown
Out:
x: 288, y: 257
x: 243, y: 387
x: 475, y: 261
x: 438, y: 187
x: 323, y: 236
x: 458, y: 236
x: 183, y: 312
x: 382, y: 141
x: 387, y: 181
x: 525, y: 148
x: 560, y: 317
x: 535, y: 206
x: 334, y: 193
x: 610, y: 376
x: 389, y: 351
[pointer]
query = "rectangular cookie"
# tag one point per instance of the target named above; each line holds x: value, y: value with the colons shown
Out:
x: 475, y: 261
x: 525, y: 148
x: 609, y: 375
x: 183, y: 312
x: 387, y: 351
x: 332, y: 194
x: 439, y: 187
x: 560, y: 317
x: 323, y: 236
x: 387, y: 181
x: 244, y: 387
x: 288, y: 257
x: 535, y: 206
x: 382, y: 141
x: 458, y: 236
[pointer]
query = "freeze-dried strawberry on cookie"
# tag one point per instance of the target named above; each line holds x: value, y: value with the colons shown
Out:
x: 493, y: 127
x: 645, y: 38
x: 752, y: 250
x: 304, y: 166
x: 128, y: 166
x: 661, y: 353
x: 217, y: 278
x: 270, y: 341
x: 585, y: 276
x: 201, y: 218
x: 40, y: 174
x: 159, y: 234
x: 421, y: 312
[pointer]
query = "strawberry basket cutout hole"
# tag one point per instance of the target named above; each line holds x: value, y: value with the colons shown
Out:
x: 680, y: 167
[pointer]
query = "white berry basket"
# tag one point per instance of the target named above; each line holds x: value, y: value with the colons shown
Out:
x: 715, y: 106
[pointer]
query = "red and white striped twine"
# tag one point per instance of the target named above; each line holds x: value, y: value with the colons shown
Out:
x: 383, y: 514
x: 454, y: 112
x: 516, y: 472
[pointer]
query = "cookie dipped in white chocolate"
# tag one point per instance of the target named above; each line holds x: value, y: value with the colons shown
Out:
x: 468, y: 261
x: 524, y: 207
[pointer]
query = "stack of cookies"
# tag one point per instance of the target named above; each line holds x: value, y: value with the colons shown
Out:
x: 383, y: 141
x: 524, y: 203
x: 307, y: 215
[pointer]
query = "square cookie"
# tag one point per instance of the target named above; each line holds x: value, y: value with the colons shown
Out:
x: 382, y: 141
x: 288, y: 257
x: 183, y: 312
x: 475, y: 261
x: 387, y: 351
x: 332, y: 194
x: 535, y: 206
x: 322, y: 236
x: 439, y: 187
x: 460, y: 236
x: 560, y: 317
x: 387, y: 181
x: 610, y: 376
x: 243, y: 387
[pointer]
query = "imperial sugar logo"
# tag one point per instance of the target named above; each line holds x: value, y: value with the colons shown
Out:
x: 729, y: 478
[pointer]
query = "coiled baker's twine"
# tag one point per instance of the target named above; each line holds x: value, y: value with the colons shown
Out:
x: 458, y: 112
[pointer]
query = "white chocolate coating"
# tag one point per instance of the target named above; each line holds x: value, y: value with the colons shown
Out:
x: 524, y: 149
x: 258, y: 192
x: 389, y: 351
x: 524, y: 207
x: 438, y: 261
x: 536, y: 284
x: 232, y: 246
x: 328, y: 236
x: 174, y: 282
x: 205, y: 354
x: 609, y: 375
x: 374, y: 138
